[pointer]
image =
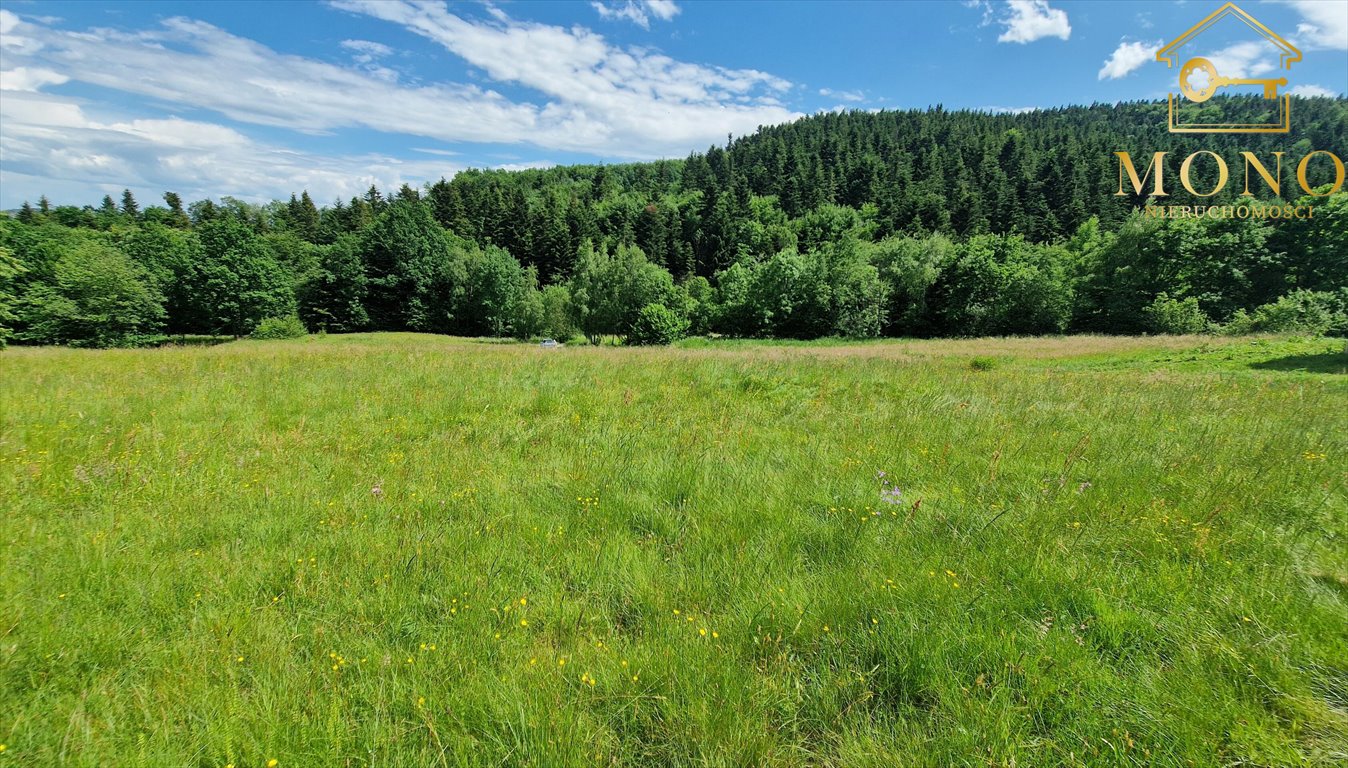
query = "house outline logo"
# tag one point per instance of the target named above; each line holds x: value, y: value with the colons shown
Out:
x: 1288, y: 54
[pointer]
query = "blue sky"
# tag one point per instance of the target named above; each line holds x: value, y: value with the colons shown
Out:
x: 258, y: 100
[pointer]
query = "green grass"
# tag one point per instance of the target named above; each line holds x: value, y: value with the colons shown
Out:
x: 401, y: 550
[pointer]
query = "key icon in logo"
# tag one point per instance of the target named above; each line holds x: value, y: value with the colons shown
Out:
x: 1199, y: 81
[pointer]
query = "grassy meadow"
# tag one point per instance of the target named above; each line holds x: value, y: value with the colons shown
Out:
x: 403, y: 550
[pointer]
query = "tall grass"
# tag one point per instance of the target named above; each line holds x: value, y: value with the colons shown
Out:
x: 399, y: 550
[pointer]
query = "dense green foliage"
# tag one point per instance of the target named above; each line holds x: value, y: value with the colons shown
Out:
x: 288, y: 327
x: 928, y: 223
x: 99, y: 298
x: 9, y: 299
x: 657, y: 324
x: 406, y: 551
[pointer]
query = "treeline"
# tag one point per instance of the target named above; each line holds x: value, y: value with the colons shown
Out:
x: 900, y: 223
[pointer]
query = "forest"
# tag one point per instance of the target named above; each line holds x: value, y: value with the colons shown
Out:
x: 923, y: 223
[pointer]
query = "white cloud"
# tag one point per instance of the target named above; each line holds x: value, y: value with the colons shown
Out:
x: 1325, y: 25
x: 25, y: 79
x: 1312, y: 91
x: 595, y: 98
x: 51, y: 145
x: 638, y: 12
x: 191, y: 59
x: 10, y: 40
x: 981, y: 5
x: 367, y: 50
x: 366, y: 53
x: 1007, y: 110
x: 529, y: 166
x: 1127, y: 58
x: 588, y: 96
x: 626, y: 101
x: 1030, y: 20
x: 665, y: 10
x: 1244, y: 60
x: 844, y: 95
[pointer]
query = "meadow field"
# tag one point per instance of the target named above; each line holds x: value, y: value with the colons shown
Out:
x: 410, y: 550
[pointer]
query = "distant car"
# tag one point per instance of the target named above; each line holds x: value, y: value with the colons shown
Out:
x: 550, y: 344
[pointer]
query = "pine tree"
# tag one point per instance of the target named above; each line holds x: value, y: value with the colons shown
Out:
x: 178, y: 217
x: 129, y: 206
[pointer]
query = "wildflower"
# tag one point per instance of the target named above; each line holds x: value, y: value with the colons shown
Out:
x: 272, y: 763
x: 524, y: 601
x: 524, y: 623
x: 825, y: 627
x: 702, y: 631
x: 561, y: 662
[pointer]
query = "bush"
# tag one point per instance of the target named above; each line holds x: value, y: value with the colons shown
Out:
x: 999, y: 285
x: 288, y: 327
x: 982, y: 364
x: 657, y: 324
x: 1298, y: 312
x: 1173, y: 316
x: 832, y: 291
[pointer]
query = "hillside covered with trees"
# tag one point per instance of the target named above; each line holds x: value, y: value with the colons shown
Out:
x: 916, y: 223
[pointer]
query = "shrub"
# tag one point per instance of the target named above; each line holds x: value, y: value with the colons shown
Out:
x: 288, y: 327
x: 1175, y: 316
x: 982, y: 364
x: 657, y: 324
x: 1298, y: 312
x: 999, y: 285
